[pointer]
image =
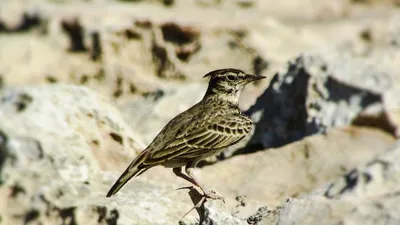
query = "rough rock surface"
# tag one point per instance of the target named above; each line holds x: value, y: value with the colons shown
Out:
x: 73, y: 113
x: 130, y: 52
x: 293, y: 170
x: 368, y: 194
x: 311, y: 96
x: 62, y: 147
x: 57, y: 174
x: 56, y: 143
x: 296, y: 168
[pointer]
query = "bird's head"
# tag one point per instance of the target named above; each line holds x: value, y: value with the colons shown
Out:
x: 228, y: 83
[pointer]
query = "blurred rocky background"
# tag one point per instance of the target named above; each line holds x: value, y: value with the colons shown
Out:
x: 85, y: 85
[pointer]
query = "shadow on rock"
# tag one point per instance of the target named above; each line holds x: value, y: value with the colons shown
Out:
x: 28, y: 21
x: 305, y: 100
x: 3, y: 152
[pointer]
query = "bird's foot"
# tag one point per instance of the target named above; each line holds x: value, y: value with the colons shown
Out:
x: 212, y: 195
x: 207, y: 193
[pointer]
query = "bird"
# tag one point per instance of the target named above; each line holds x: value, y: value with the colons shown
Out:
x: 203, y: 130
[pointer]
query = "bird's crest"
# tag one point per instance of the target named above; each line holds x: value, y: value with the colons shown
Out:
x: 222, y: 71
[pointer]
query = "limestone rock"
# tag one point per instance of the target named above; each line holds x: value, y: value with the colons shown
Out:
x: 62, y: 147
x: 53, y: 172
x: 57, y: 143
x: 366, y: 195
x: 74, y: 114
x: 263, y: 178
x: 213, y: 213
x: 269, y: 177
x: 121, y: 55
x: 311, y: 96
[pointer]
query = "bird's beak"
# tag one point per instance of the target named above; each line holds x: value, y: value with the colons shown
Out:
x: 254, y: 77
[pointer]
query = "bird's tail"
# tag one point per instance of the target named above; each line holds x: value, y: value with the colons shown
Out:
x: 134, y: 169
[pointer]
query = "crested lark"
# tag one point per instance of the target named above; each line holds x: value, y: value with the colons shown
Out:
x: 205, y: 129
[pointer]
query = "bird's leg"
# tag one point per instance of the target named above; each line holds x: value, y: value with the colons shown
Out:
x: 207, y: 192
x: 178, y: 172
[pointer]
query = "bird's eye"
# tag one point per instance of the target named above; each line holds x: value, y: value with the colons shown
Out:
x: 231, y: 77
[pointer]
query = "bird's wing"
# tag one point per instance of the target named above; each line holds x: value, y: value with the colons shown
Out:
x: 192, y: 141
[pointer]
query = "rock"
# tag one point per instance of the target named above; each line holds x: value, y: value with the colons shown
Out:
x: 56, y: 141
x: 269, y: 177
x: 311, y: 96
x: 376, y: 178
x: 62, y: 146
x: 213, y: 213
x: 122, y: 55
x: 264, y: 215
x: 53, y: 172
x: 56, y: 144
x: 74, y: 114
x: 367, y: 194
x: 250, y: 181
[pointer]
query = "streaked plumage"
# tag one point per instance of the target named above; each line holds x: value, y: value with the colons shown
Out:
x: 205, y: 129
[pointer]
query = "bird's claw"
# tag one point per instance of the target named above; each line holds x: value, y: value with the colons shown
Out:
x: 213, y: 195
